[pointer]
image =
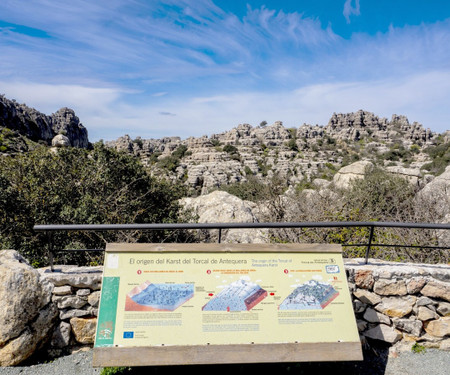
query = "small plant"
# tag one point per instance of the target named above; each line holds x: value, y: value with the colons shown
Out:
x: 417, y: 348
x: 115, y: 370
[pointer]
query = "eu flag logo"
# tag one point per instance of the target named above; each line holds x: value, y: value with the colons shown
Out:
x: 128, y: 334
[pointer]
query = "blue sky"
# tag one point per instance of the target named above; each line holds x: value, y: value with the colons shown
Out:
x: 189, y: 68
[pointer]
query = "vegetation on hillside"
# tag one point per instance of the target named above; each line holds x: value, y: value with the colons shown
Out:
x: 77, y: 186
x: 380, y: 196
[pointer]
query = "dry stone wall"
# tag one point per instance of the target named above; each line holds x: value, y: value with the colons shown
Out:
x: 398, y: 304
x: 76, y: 294
x: 401, y: 303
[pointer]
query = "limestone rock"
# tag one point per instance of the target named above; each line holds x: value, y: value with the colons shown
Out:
x: 60, y: 141
x: 412, y: 175
x: 367, y: 297
x: 26, y: 313
x: 415, y: 285
x: 384, y: 332
x: 84, y: 329
x: 61, y: 335
x: 71, y: 301
x: 390, y: 287
x: 396, y: 306
x: 40, y: 127
x: 62, y: 290
x: 443, y: 308
x: 439, y: 327
x: 364, y: 279
x: 437, y: 289
x: 94, y: 299
x: 424, y: 314
x: 222, y: 207
x: 343, y: 178
x: 372, y: 316
x: 77, y: 277
x: 411, y: 326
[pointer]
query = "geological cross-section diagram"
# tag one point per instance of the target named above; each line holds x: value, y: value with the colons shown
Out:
x: 310, y: 295
x: 158, y: 297
x: 240, y: 295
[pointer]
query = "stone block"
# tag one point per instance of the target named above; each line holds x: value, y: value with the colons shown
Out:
x: 439, y: 327
x: 372, y: 316
x: 61, y: 335
x: 390, y: 287
x: 84, y: 329
x: 367, y: 297
x: 384, y: 333
x: 396, y: 306
x: 437, y: 289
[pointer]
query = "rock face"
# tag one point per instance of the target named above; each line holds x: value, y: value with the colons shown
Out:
x: 27, y: 313
x: 40, y: 127
x: 292, y: 154
x: 347, y: 174
x: 221, y: 207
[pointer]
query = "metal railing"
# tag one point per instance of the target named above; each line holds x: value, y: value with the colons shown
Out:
x: 51, y: 228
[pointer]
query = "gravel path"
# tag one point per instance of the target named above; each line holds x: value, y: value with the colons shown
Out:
x: 432, y: 362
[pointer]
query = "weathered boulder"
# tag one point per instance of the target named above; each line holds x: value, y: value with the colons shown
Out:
x: 60, y: 140
x: 27, y: 314
x: 343, y: 178
x: 222, y: 207
x: 412, y: 175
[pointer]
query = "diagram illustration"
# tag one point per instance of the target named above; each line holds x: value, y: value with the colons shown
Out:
x: 310, y: 295
x: 241, y: 295
x: 158, y: 297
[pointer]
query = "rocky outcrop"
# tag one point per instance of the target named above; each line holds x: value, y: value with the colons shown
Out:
x: 343, y: 178
x: 222, y: 207
x: 293, y: 154
x: 27, y: 313
x: 37, y: 126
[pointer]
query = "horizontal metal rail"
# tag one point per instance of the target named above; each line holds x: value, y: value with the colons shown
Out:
x: 51, y: 228
x: 323, y: 224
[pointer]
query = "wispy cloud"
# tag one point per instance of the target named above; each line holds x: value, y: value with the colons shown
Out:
x: 349, y: 9
x: 179, y: 67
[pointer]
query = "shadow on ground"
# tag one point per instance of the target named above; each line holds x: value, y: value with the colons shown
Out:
x: 374, y: 363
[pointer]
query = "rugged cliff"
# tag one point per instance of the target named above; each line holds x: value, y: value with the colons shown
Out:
x: 27, y: 124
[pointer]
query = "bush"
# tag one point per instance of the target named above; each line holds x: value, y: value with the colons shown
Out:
x: 76, y: 186
x: 440, y: 156
x: 380, y: 196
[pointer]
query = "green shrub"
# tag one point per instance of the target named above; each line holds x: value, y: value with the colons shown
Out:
x: 116, y: 370
x: 77, y: 186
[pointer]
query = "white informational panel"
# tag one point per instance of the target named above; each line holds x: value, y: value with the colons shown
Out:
x: 164, y: 304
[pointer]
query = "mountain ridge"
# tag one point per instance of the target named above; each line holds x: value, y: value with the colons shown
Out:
x: 298, y: 155
x: 294, y: 154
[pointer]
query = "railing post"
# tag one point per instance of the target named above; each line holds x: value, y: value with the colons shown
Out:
x: 369, y: 244
x: 50, y: 249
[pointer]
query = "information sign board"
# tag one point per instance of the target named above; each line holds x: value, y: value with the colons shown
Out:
x: 183, y: 303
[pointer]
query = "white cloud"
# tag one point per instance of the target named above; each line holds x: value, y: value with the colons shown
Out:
x: 215, y: 70
x: 422, y: 98
x: 349, y: 9
x: 48, y: 98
